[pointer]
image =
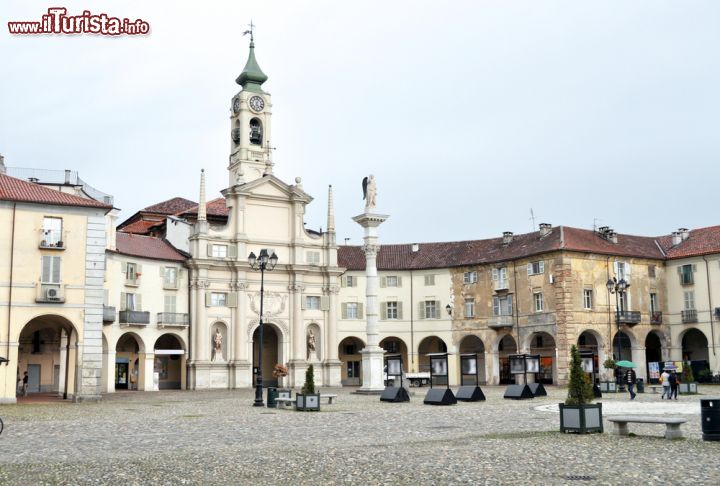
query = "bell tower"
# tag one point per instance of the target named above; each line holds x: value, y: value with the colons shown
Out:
x: 250, y: 117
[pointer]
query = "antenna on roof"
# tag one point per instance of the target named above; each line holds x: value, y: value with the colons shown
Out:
x: 532, y: 217
x: 595, y: 222
x: 346, y: 241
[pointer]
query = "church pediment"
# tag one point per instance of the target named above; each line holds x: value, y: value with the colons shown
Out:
x: 269, y: 187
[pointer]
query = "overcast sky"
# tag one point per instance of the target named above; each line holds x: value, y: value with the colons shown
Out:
x: 469, y: 113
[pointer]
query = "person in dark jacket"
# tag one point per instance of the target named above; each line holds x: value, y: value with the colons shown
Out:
x: 631, y: 379
x: 674, y: 383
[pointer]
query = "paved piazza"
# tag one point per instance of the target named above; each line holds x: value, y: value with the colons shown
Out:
x: 217, y: 437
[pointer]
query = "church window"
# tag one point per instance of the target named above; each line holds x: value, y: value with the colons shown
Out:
x: 256, y: 135
x: 312, y: 302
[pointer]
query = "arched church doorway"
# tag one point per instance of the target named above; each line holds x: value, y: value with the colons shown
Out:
x: 47, y: 352
x: 270, y: 353
x: 349, y: 355
x: 169, y: 362
x: 473, y: 345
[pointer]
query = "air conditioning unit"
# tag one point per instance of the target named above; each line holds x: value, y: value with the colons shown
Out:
x: 52, y: 293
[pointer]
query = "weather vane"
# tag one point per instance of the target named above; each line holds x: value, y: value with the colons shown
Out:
x: 252, y: 26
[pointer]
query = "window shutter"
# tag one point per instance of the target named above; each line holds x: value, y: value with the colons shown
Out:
x: 529, y: 268
x: 437, y: 309
x: 162, y: 272
x: 208, y: 298
x: 399, y: 310
x: 209, y: 250
x: 383, y: 311
x: 138, y: 302
x: 542, y: 266
x: 123, y: 268
x: 399, y: 281
x: 303, y: 302
x: 353, y: 281
x: 694, y: 268
x: 421, y: 310
x: 679, y: 269
x: 510, y: 304
x: 45, y: 269
x: 360, y: 310
x: 383, y: 282
x: 324, y: 303
x: 232, y: 299
x: 496, y: 306
x: 495, y: 275
x: 343, y: 310
x: 615, y: 266
x: 232, y: 251
x: 627, y: 272
x: 343, y: 281
x: 56, y: 269
x: 123, y: 301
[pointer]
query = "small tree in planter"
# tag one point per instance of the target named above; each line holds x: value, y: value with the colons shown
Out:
x: 687, y: 379
x: 280, y: 372
x: 308, y: 399
x: 609, y: 385
x: 577, y: 414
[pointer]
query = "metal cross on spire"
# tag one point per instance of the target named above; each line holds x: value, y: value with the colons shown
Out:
x: 252, y: 27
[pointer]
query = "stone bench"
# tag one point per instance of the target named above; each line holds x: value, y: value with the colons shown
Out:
x: 284, y: 402
x: 672, y: 424
x: 654, y: 388
x: 330, y: 397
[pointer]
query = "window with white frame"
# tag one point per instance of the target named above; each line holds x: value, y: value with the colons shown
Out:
x: 218, y: 299
x: 686, y: 274
x: 50, y: 269
x: 469, y: 307
x: 689, y: 300
x: 131, y: 272
x: 312, y: 302
x: 470, y: 277
x: 391, y: 310
x: 653, y: 303
x: 351, y: 311
x: 651, y: 271
x: 429, y: 280
x: 130, y: 302
x: 431, y: 308
x: 502, y: 306
x: 170, y: 304
x: 170, y: 277
x: 538, y: 301
x: 312, y: 257
x: 621, y: 272
x: 391, y: 281
x: 536, y: 268
x: 500, y: 277
x: 350, y: 281
x: 587, y: 299
x: 219, y: 251
x: 52, y: 231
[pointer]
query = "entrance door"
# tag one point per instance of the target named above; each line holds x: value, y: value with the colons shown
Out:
x: 121, y: 376
x: 56, y: 378
x: 33, y: 378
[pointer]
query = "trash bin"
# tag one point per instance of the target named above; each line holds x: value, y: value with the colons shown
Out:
x: 272, y: 394
x: 710, y: 418
x: 640, y: 385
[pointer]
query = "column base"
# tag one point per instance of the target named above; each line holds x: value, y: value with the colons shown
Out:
x: 333, y: 373
x: 209, y: 375
x: 373, y: 373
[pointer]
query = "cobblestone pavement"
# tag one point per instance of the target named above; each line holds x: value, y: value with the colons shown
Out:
x: 217, y: 437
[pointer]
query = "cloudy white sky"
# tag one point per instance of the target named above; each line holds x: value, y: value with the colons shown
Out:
x: 469, y: 113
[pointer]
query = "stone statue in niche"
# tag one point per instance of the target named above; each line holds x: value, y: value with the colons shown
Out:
x: 311, y: 351
x: 217, y: 346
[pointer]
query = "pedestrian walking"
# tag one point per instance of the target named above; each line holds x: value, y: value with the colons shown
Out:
x: 631, y: 379
x: 674, y: 384
x: 665, y: 380
x: 25, y: 384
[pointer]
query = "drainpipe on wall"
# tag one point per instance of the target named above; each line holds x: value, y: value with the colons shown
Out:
x: 609, y: 311
x: 412, y: 326
x: 516, y: 311
x: 712, y: 328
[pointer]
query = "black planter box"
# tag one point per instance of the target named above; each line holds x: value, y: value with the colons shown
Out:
x: 307, y: 402
x: 582, y: 419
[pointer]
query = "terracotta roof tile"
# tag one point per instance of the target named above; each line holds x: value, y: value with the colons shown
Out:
x: 171, y: 206
x: 12, y: 189
x: 701, y: 241
x: 147, y: 247
x: 140, y: 227
x: 216, y: 207
x: 477, y: 252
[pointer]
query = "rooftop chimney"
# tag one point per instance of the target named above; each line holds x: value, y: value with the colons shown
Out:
x: 415, y: 247
x: 67, y: 176
x: 603, y: 229
x: 3, y: 170
x: 507, y: 237
x: 545, y: 229
x: 33, y: 180
x: 612, y: 236
x: 684, y: 233
x: 676, y: 238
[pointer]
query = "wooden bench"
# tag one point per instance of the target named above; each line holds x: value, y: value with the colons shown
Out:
x: 672, y: 424
x: 283, y: 402
x: 330, y: 397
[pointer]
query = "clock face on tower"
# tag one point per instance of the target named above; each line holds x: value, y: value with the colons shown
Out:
x: 256, y: 104
x: 236, y: 106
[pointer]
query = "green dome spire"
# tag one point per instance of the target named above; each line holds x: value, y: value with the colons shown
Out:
x: 252, y: 77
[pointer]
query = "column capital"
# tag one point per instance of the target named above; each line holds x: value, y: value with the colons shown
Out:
x: 370, y: 249
x: 296, y: 288
x: 331, y: 289
x: 238, y: 285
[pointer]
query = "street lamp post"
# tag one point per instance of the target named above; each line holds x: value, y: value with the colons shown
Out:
x: 618, y: 288
x: 262, y: 263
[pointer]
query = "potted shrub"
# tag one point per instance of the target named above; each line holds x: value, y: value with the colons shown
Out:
x: 688, y: 385
x: 577, y: 414
x: 308, y: 398
x: 280, y: 372
x: 609, y: 385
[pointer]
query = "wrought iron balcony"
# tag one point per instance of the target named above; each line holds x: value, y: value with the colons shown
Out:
x: 689, y: 315
x: 656, y: 318
x: 108, y: 314
x: 173, y: 319
x: 135, y: 318
x: 500, y: 322
x: 52, y: 240
x: 628, y: 317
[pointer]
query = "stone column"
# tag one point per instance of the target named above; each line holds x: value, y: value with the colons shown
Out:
x: 201, y: 333
x: 298, y: 362
x: 147, y: 371
x: 331, y: 344
x: 372, y: 354
x: 108, y: 372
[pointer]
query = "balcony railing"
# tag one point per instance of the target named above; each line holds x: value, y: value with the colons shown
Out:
x: 628, y: 317
x: 108, y: 314
x: 172, y: 319
x: 501, y: 285
x: 52, y: 240
x: 656, y: 318
x: 132, y: 282
x: 50, y: 294
x: 135, y: 318
x: 500, y: 322
x: 689, y: 315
